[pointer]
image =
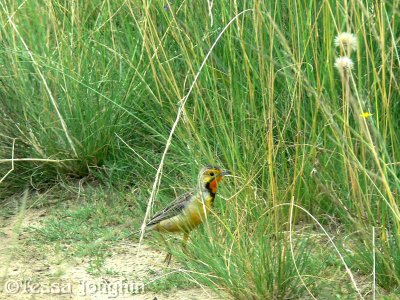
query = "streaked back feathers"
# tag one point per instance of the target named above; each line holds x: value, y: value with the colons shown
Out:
x: 188, y: 211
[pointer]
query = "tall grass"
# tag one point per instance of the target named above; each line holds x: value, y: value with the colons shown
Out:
x: 100, y: 83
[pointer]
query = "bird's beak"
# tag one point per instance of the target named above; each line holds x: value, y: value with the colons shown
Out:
x: 225, y: 172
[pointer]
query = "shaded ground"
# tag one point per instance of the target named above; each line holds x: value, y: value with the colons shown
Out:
x: 29, y: 272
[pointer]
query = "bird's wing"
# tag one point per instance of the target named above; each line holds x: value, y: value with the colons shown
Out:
x: 171, y: 210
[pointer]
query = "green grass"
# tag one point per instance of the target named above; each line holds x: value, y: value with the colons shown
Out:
x: 88, y: 230
x: 90, y: 91
x: 84, y: 229
x: 169, y: 281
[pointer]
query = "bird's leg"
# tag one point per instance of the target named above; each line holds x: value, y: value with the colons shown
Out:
x: 167, y: 258
x: 184, y: 242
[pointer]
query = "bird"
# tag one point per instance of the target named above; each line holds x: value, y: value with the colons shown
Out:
x: 188, y: 211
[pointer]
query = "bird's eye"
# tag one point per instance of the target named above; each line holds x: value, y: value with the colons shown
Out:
x: 212, y: 174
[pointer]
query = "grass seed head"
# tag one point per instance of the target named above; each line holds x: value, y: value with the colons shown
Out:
x: 343, y: 64
x: 346, y: 41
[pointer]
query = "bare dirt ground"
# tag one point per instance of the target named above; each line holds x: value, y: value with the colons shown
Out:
x: 29, y: 273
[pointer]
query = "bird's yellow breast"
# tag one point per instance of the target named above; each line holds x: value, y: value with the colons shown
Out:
x: 191, y: 217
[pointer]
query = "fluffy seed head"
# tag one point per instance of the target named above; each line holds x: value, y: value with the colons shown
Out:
x: 343, y: 64
x: 346, y: 41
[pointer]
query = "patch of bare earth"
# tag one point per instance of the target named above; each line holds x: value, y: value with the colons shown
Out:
x: 29, y: 273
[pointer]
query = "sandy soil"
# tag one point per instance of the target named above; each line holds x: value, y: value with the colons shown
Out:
x: 27, y: 273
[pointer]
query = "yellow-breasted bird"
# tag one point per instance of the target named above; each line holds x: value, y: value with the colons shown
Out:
x: 188, y: 211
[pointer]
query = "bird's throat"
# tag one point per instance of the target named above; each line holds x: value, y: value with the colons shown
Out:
x: 212, y: 185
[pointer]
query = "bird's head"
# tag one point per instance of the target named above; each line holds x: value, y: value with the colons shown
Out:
x: 210, y: 176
